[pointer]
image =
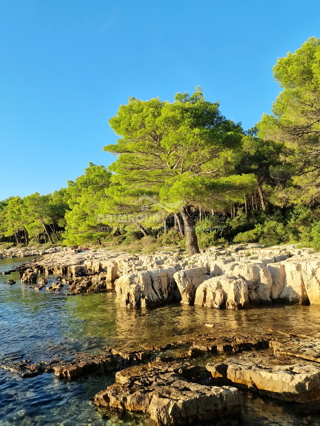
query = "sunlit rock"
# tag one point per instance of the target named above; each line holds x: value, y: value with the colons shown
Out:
x: 223, y: 292
x: 163, y: 392
x: 300, y: 383
x: 188, y: 281
x: 259, y: 281
x: 294, y: 291
x: 145, y: 289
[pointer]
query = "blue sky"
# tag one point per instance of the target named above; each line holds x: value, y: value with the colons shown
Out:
x: 67, y: 65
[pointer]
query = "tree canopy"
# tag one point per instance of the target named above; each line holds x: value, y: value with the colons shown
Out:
x: 85, y: 197
x: 183, y: 153
x: 295, y: 120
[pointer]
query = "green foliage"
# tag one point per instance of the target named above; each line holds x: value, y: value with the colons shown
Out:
x: 172, y: 237
x: 296, y: 122
x: 85, y: 197
x: 270, y: 233
x: 311, y: 237
x: 183, y: 154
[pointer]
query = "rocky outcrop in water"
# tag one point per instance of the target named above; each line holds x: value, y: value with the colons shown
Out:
x: 299, y: 383
x: 168, y: 395
x: 215, y: 278
x: 223, y: 292
x: 146, y: 289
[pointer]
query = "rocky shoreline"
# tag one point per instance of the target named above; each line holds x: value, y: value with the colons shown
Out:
x: 216, y: 278
x: 28, y: 252
x: 203, y: 384
x: 199, y: 379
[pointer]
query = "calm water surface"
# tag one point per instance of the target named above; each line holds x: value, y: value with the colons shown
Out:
x: 39, y: 325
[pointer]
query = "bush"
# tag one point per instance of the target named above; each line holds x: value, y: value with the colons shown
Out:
x: 209, y: 231
x: 172, y: 237
x: 270, y: 233
x: 311, y: 237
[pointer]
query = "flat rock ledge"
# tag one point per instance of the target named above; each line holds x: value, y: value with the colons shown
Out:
x: 294, y: 382
x: 76, y: 366
x: 167, y: 395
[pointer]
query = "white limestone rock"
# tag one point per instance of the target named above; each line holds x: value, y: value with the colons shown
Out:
x: 311, y: 279
x: 300, y: 383
x: 294, y: 291
x: 278, y: 274
x: 258, y: 279
x: 223, y: 292
x: 146, y: 289
x: 188, y: 281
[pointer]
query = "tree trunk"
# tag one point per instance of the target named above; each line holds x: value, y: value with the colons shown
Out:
x: 261, y: 197
x: 26, y: 238
x: 190, y: 233
x: 46, y: 231
x: 145, y: 234
x: 53, y: 228
x: 16, y: 236
x: 178, y: 223
x: 165, y: 228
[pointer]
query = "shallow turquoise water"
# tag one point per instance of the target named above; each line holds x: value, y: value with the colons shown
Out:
x: 38, y: 325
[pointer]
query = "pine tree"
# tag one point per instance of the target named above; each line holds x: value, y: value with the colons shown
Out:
x: 183, y: 154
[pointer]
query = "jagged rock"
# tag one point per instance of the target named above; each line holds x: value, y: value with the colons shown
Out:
x: 234, y: 344
x: 24, y: 368
x: 83, y: 364
x: 130, y: 356
x: 76, y: 271
x: 55, y: 286
x: 11, y: 282
x: 188, y: 281
x: 108, y: 274
x: 145, y: 289
x: 300, y: 383
x: 7, y: 272
x: 223, y: 292
x: 163, y: 392
x: 42, y: 281
x: 29, y: 277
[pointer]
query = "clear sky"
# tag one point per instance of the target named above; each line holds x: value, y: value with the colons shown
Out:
x: 67, y: 65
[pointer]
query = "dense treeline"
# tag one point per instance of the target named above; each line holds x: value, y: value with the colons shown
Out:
x: 185, y: 174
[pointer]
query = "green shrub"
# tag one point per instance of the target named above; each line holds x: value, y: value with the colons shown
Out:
x: 172, y: 237
x: 270, y: 233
